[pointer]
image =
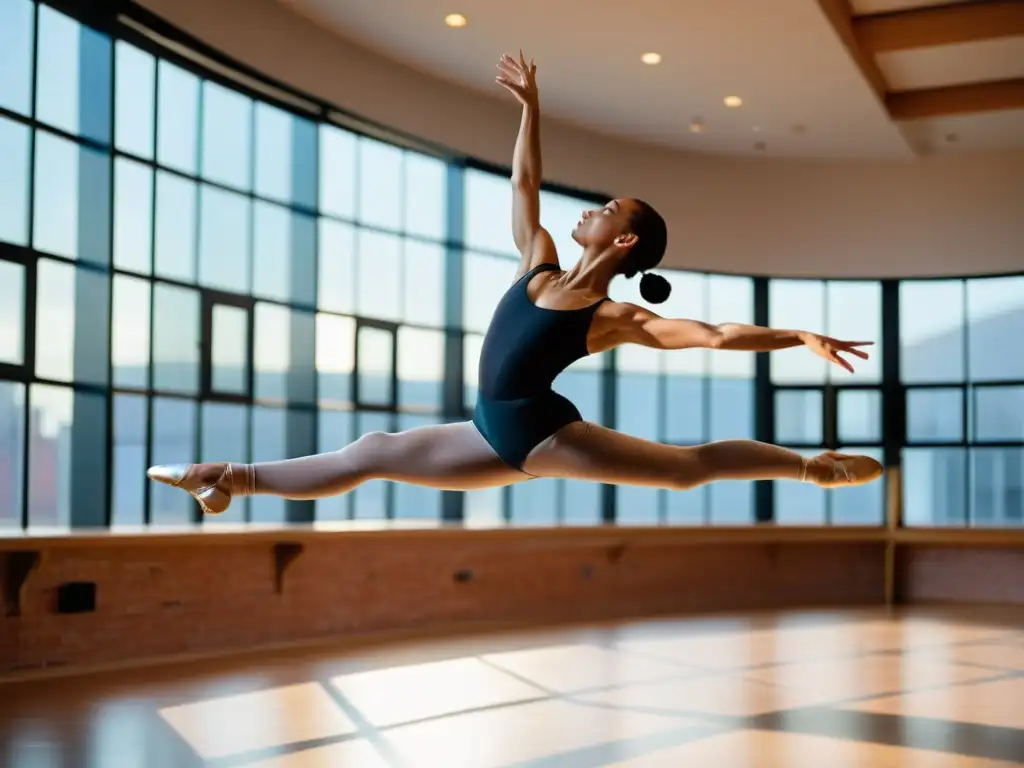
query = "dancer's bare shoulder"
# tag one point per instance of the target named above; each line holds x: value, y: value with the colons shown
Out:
x: 537, y: 249
x: 611, y: 323
x: 619, y: 322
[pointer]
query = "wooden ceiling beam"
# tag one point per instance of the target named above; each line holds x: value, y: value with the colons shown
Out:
x: 956, y: 100
x: 962, y: 22
x: 840, y: 16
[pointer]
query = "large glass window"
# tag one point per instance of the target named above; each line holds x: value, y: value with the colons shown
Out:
x: 226, y: 136
x: 337, y: 172
x: 177, y: 131
x: 130, y: 353
x: 425, y: 195
x: 14, y: 184
x: 55, y: 321
x: 259, y: 267
x: 58, y: 70
x: 380, y: 184
x: 489, y: 213
x: 49, y: 454
x: 276, y: 168
x: 191, y: 269
x: 12, y: 313
x: 485, y: 280
x: 134, y: 130
x: 731, y: 394
x: 175, y: 246
x: 56, y: 203
x: 688, y: 397
x: 133, y: 216
x: 129, y: 470
x: 964, y: 401
x: 817, y: 405
x: 13, y: 450
x: 224, y: 244
x: 16, y: 44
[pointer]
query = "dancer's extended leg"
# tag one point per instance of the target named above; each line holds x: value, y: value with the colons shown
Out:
x: 587, y: 451
x: 445, y: 456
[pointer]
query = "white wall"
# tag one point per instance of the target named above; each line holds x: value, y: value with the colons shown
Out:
x: 945, y: 215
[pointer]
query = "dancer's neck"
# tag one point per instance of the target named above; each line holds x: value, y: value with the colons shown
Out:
x: 593, y: 272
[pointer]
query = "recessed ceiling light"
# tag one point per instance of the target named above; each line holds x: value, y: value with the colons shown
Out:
x: 651, y: 58
x: 697, y: 126
x: 733, y: 102
x: 455, y: 20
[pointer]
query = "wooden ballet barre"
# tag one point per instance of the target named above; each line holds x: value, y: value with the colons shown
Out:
x: 584, y: 536
x: 396, y: 529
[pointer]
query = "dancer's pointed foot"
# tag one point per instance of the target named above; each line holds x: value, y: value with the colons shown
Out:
x: 211, y: 485
x: 841, y: 470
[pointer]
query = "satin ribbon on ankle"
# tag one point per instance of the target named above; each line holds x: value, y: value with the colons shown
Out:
x: 242, y: 482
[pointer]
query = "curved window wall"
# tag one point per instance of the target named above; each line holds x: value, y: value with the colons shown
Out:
x: 197, y: 267
x: 817, y: 405
x: 961, y: 367
x: 688, y: 397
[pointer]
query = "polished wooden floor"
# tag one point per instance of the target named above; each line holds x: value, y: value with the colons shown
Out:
x: 935, y: 689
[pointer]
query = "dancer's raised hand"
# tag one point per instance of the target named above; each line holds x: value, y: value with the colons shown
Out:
x: 829, y: 348
x: 519, y: 78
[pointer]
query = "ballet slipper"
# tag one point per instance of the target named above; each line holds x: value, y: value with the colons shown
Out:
x: 846, y: 470
x: 212, y: 499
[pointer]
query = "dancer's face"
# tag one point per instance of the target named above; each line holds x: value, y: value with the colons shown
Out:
x: 599, y: 227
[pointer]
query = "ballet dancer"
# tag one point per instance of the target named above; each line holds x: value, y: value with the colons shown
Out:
x: 549, y: 318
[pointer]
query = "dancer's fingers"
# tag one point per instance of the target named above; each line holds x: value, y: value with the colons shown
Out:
x: 517, y: 68
x: 512, y: 88
x: 859, y: 353
x: 509, y: 61
x: 510, y: 84
x: 508, y: 69
x: 528, y: 68
x: 840, y: 361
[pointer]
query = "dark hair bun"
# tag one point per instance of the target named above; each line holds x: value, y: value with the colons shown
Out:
x: 654, y: 288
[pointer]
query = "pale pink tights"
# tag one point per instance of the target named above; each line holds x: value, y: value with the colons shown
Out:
x: 456, y: 457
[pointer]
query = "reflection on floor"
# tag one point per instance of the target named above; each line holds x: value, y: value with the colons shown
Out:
x: 936, y: 689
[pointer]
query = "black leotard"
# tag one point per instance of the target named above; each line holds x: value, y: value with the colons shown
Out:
x: 525, y: 348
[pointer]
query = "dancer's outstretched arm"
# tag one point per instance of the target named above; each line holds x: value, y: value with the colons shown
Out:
x: 531, y: 239
x: 636, y: 325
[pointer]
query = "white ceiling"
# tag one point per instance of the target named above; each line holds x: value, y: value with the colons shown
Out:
x: 966, y: 133
x: 975, y: 62
x: 804, y: 95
